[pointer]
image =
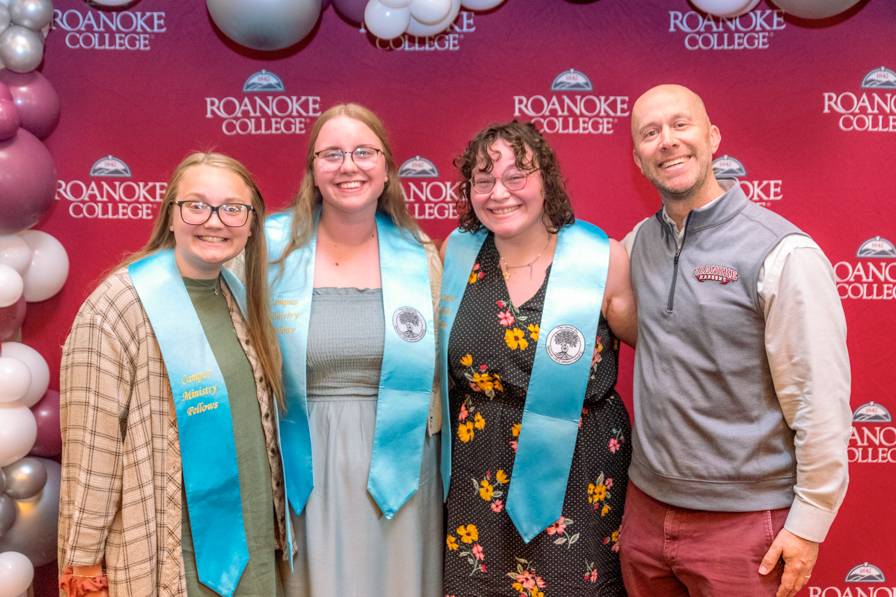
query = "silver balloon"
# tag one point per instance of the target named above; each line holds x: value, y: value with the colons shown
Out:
x: 25, y: 478
x: 5, y: 18
x: 21, y: 49
x: 34, y: 533
x: 33, y: 14
x: 7, y: 513
x: 2, y: 474
x: 265, y: 24
x: 815, y: 9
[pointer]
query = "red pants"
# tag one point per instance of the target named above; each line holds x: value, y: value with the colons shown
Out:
x: 671, y: 551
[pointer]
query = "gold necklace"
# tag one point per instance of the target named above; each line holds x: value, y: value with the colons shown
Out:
x: 505, y: 268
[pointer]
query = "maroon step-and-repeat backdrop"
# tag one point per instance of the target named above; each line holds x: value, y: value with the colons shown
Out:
x: 807, y: 113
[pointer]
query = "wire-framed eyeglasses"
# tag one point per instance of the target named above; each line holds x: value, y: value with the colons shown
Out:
x: 232, y: 215
x: 364, y: 158
x: 513, y: 179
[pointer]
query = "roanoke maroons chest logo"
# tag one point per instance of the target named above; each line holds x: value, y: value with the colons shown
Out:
x: 715, y: 273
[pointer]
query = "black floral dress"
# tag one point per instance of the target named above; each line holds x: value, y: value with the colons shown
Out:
x: 490, y: 355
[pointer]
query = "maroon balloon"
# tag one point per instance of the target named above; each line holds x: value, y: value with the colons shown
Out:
x: 27, y: 182
x: 49, y: 438
x: 4, y: 92
x: 11, y: 319
x: 36, y: 100
x: 10, y: 121
x: 353, y: 10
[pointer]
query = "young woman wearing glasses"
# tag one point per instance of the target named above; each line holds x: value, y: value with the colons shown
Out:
x: 172, y: 480
x: 354, y: 291
x: 533, y: 302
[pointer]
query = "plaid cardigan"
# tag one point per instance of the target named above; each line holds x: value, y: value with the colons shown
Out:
x: 120, y: 495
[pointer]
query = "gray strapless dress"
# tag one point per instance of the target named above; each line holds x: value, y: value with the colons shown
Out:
x: 347, y: 548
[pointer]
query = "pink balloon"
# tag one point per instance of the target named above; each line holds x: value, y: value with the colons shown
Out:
x: 11, y: 319
x: 27, y: 181
x: 10, y: 121
x: 36, y: 100
x: 353, y: 10
x: 49, y: 438
x: 4, y: 92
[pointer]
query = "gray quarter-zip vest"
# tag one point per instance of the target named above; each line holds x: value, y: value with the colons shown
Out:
x: 709, y: 432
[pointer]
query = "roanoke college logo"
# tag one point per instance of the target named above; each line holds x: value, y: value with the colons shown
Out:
x: 427, y: 199
x: 446, y: 41
x: 269, y: 110
x: 578, y: 114
x: 866, y: 573
x: 750, y: 31
x: 874, y: 279
x: 763, y: 192
x: 107, y: 30
x: 871, y: 413
x: 263, y: 81
x: 113, y: 199
x: 872, y: 111
x: 872, y: 440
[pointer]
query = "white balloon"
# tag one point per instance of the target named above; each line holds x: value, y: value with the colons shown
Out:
x: 49, y: 266
x: 111, y: 2
x: 384, y: 21
x: 11, y: 286
x: 417, y: 28
x: 265, y: 25
x: 430, y: 12
x: 395, y: 3
x: 815, y: 9
x: 16, y: 573
x: 481, y: 4
x: 40, y: 372
x: 18, y: 431
x: 15, y: 380
x: 726, y: 8
x: 15, y: 252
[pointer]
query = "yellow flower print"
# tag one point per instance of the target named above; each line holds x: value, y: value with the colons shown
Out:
x: 516, y: 429
x: 519, y: 588
x: 615, y: 536
x: 468, y: 534
x: 600, y: 492
x: 473, y: 277
x: 501, y: 476
x: 604, y: 510
x: 484, y: 381
x: 467, y: 360
x: 452, y: 542
x: 533, y: 332
x: 497, y: 382
x: 480, y: 422
x: 516, y: 338
x: 487, y: 490
x: 465, y: 431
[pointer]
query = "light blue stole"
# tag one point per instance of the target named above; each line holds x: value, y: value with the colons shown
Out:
x: 408, y: 361
x: 560, y: 372
x: 204, y: 424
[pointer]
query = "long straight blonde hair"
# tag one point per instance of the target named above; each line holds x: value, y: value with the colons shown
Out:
x: 260, y: 329
x: 304, y: 206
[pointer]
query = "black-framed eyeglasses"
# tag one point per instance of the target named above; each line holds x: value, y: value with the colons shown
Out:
x: 232, y: 215
x: 513, y: 179
x: 364, y: 158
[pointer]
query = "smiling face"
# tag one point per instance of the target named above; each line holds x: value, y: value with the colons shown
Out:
x: 674, y: 142
x: 201, y: 250
x: 510, y: 213
x: 349, y: 189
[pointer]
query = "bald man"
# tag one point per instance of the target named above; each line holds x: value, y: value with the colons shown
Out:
x: 742, y: 378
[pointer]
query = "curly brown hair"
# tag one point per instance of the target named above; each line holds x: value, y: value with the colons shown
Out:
x: 522, y: 138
